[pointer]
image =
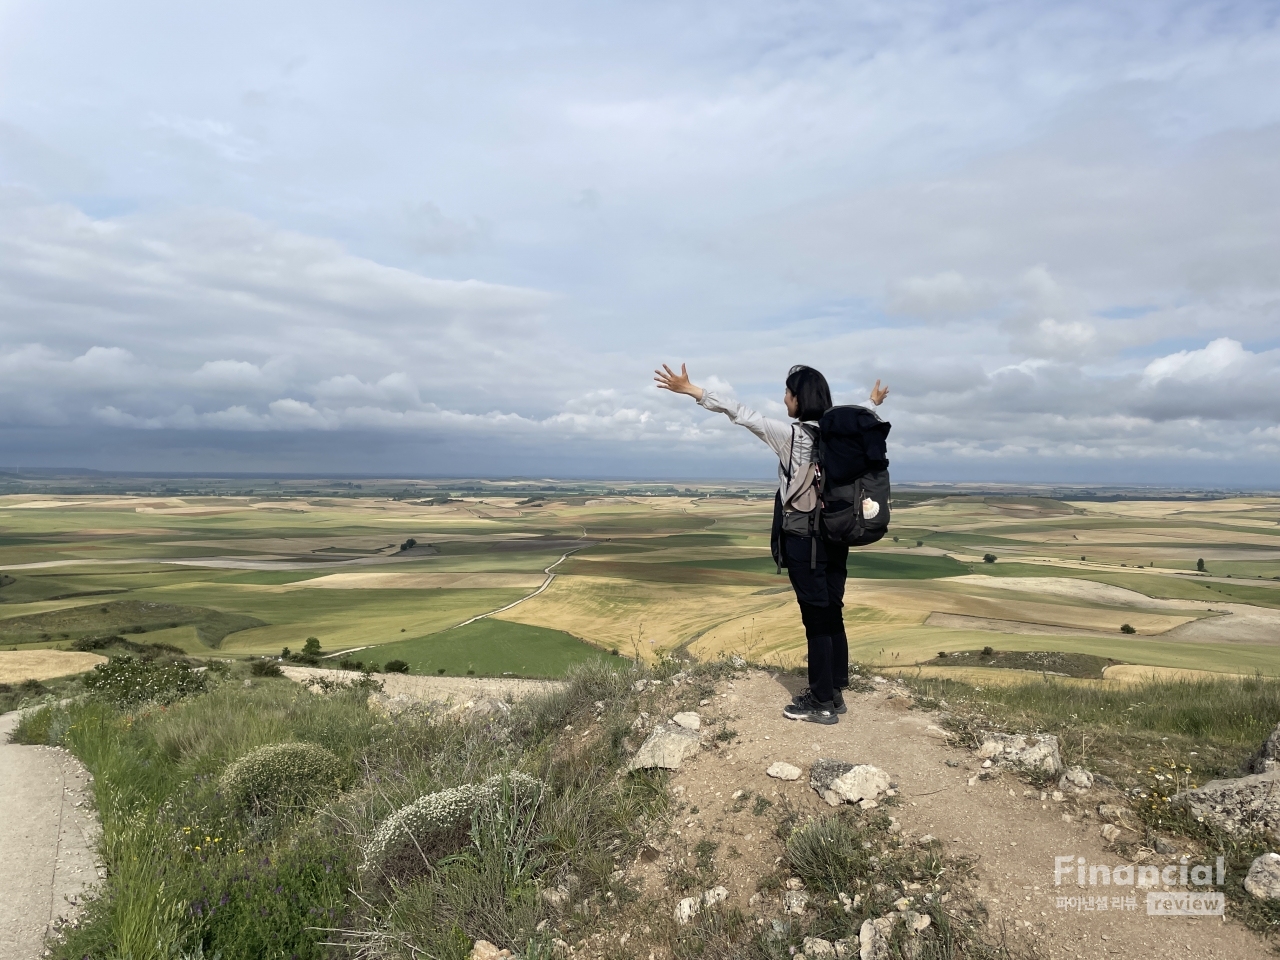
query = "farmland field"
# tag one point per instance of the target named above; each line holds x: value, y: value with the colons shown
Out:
x: 642, y: 571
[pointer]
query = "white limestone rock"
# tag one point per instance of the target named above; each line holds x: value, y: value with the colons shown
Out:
x: 795, y: 901
x: 1263, y: 879
x: 1076, y: 780
x: 1038, y: 755
x: 815, y: 948
x: 1238, y: 805
x: 689, y: 720
x: 873, y: 938
x: 687, y: 909
x: 666, y: 747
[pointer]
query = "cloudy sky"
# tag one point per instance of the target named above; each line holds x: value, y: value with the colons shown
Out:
x: 455, y: 239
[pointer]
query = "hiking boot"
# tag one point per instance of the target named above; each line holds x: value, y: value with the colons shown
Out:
x: 838, y: 701
x: 807, y: 708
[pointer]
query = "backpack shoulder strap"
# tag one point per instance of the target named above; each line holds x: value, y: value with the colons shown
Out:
x: 789, y: 466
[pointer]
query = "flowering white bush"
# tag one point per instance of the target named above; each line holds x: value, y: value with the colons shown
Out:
x: 126, y: 680
x: 436, y: 817
x: 279, y: 773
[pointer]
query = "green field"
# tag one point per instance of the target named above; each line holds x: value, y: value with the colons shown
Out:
x: 489, y: 648
x: 862, y: 566
x: 123, y: 617
x: 648, y: 575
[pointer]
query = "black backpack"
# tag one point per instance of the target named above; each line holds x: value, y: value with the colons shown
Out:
x: 853, y: 466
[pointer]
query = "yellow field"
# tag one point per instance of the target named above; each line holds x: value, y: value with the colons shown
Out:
x: 421, y: 581
x: 19, y: 665
x: 648, y: 618
x: 656, y: 575
x: 1123, y: 675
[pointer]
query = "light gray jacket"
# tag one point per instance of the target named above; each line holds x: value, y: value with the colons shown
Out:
x: 793, y: 446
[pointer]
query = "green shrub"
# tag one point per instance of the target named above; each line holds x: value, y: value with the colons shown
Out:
x: 488, y: 890
x: 148, y: 651
x: 828, y: 853
x: 988, y: 558
x: 125, y: 680
x: 1126, y: 628
x: 13, y: 695
x: 281, y: 773
x: 265, y: 668
x: 436, y: 823
x: 35, y: 728
x: 274, y: 906
x: 396, y: 666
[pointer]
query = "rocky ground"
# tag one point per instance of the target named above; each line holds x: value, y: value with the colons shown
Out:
x: 969, y: 800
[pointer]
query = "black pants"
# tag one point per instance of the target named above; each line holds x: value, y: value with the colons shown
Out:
x: 820, y: 593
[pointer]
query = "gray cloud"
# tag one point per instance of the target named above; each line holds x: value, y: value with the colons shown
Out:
x: 1053, y: 229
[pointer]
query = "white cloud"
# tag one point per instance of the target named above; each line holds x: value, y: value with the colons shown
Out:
x: 1080, y: 203
x: 1209, y: 363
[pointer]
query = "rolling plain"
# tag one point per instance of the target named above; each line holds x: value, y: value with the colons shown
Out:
x: 644, y: 572
x: 1122, y: 627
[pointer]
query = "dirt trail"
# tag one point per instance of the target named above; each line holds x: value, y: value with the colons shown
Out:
x: 457, y: 689
x: 48, y: 841
x: 545, y: 583
x: 1013, y: 838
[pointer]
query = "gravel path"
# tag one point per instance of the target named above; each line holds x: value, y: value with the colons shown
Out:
x: 48, y: 841
x: 436, y: 688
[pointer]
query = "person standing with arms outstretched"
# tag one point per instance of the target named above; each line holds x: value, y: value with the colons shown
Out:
x: 817, y: 571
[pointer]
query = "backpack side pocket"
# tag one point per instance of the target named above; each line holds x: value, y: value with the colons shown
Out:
x: 874, y: 488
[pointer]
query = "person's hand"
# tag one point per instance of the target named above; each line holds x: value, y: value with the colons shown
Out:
x: 878, y: 393
x: 668, y: 379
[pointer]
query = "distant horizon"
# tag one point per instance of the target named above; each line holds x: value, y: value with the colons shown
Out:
x: 763, y: 483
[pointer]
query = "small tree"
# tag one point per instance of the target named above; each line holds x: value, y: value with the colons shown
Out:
x: 988, y: 558
x: 408, y: 544
x: 1200, y: 564
x: 919, y: 543
x: 988, y: 651
x: 1125, y: 628
x: 312, y: 647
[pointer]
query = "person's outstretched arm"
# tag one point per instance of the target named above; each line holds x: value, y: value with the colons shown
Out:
x: 776, y: 433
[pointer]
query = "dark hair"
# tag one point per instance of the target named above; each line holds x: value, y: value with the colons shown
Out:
x: 810, y: 388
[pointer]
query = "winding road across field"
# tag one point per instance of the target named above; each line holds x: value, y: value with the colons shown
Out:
x: 545, y: 583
